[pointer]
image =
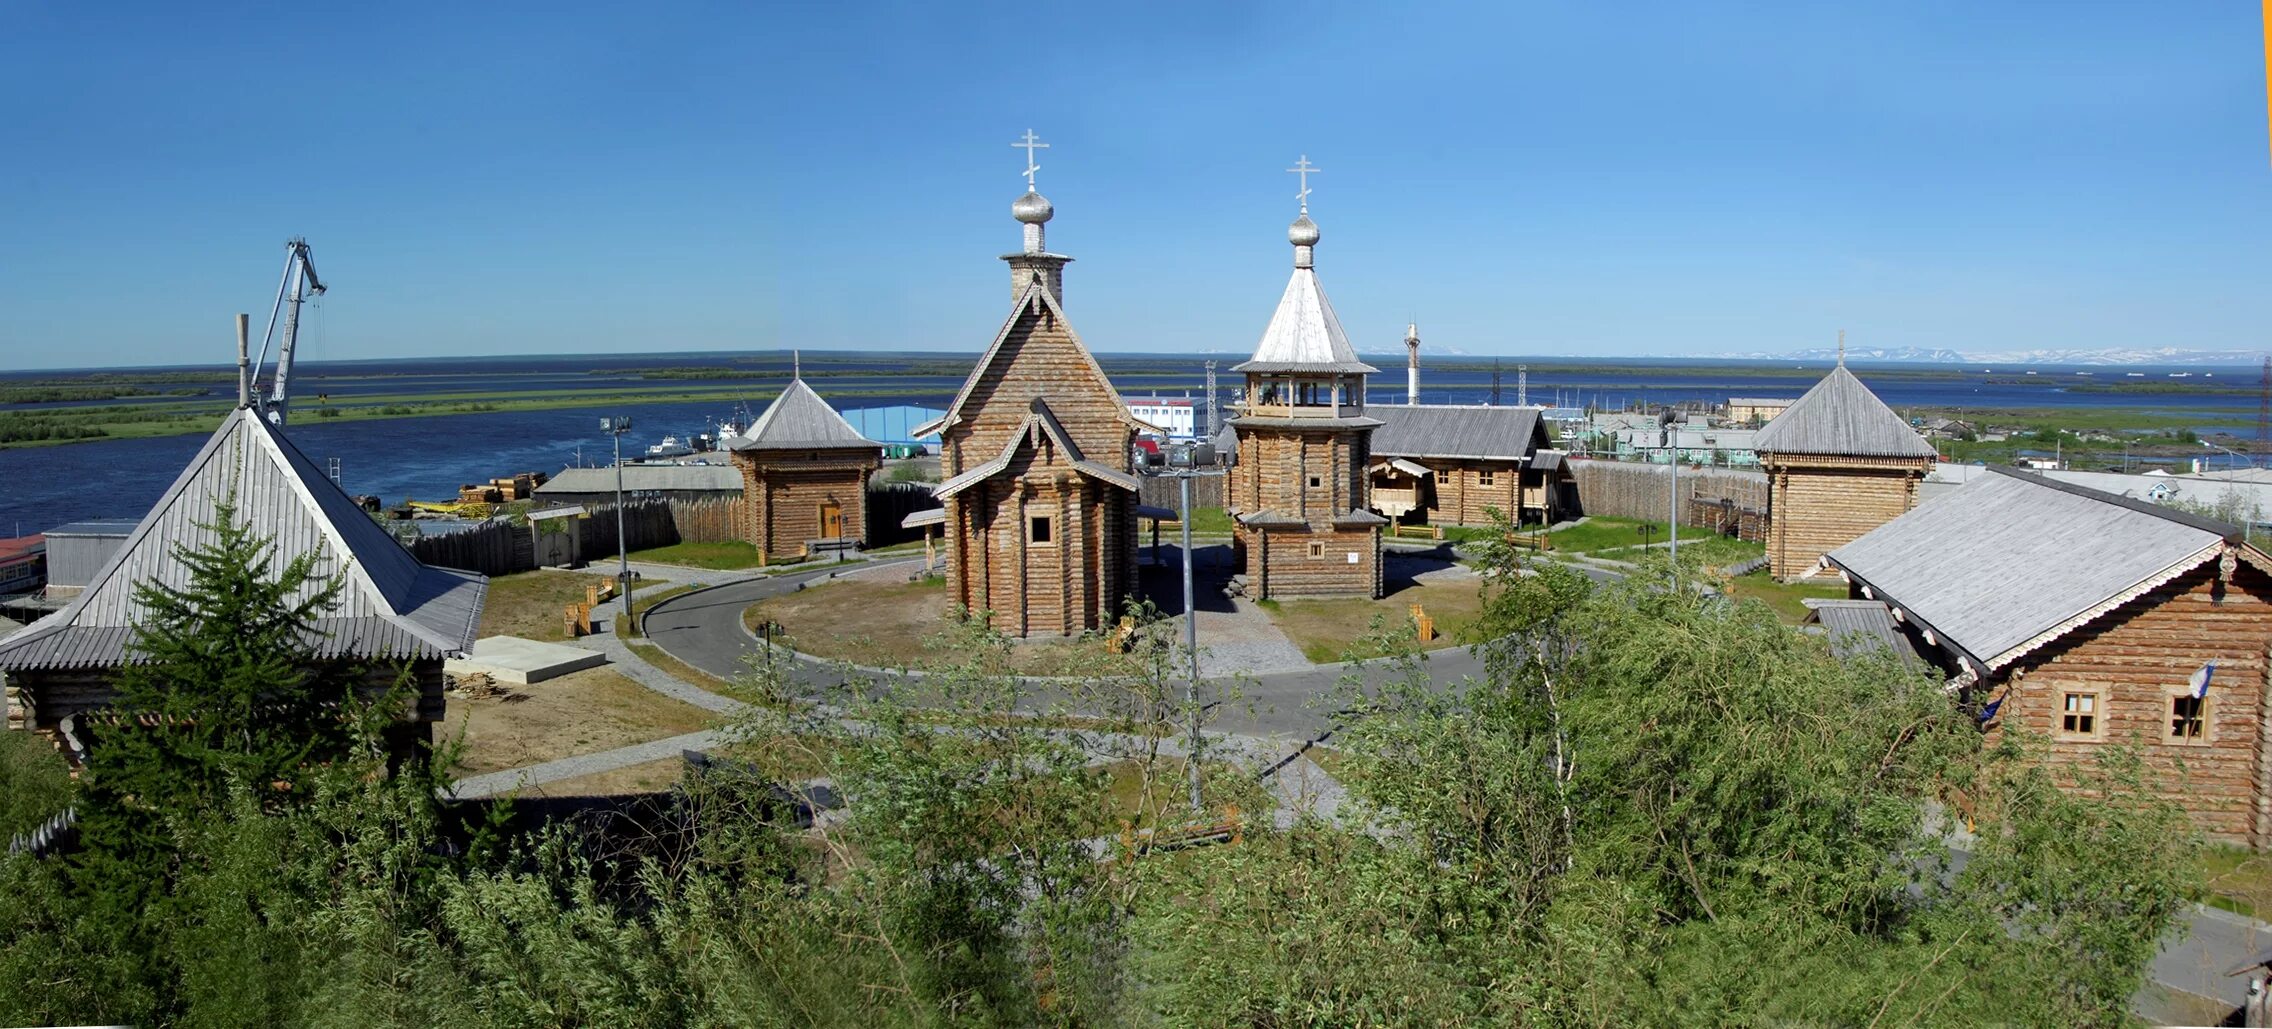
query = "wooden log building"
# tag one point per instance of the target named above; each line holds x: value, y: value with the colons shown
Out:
x: 1039, y: 493
x: 394, y: 612
x: 804, y: 473
x: 1438, y: 464
x: 1299, y: 496
x: 2084, y: 618
x: 1839, y: 464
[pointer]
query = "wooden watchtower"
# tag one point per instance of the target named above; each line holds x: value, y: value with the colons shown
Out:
x: 1839, y: 463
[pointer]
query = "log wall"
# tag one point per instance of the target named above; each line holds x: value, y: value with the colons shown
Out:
x: 1626, y: 489
x: 783, y: 492
x: 1040, y: 358
x: 2132, y: 662
x: 1292, y: 562
x: 1818, y: 504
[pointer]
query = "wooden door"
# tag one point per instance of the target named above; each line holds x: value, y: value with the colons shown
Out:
x: 831, y: 520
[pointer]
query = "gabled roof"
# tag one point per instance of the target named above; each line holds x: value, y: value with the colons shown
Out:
x: 799, y: 419
x: 1035, y: 300
x: 1840, y: 416
x: 1444, y: 431
x: 392, y: 606
x: 2013, y: 561
x: 1040, y: 420
x: 1304, y: 334
x: 644, y: 478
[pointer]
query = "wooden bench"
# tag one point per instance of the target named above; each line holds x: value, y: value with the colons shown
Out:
x: 1435, y: 532
x: 1538, y: 541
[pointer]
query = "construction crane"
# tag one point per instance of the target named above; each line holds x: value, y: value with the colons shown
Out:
x: 299, y: 283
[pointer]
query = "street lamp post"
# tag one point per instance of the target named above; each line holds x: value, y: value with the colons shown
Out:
x: 1671, y: 422
x: 2244, y: 458
x: 616, y: 427
x: 1186, y: 462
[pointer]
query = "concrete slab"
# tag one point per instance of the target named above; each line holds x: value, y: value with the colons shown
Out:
x: 511, y: 659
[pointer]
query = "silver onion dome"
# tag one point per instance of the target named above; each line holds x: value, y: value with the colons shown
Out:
x: 1032, y: 208
x: 1303, y: 233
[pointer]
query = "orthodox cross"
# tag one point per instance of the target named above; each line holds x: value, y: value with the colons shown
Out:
x: 1303, y: 168
x: 1030, y: 144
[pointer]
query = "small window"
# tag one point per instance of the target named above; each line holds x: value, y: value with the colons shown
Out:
x: 2079, y: 716
x: 2187, y: 717
x: 1317, y: 550
x: 1040, y: 532
x: 1486, y: 477
x: 1316, y: 482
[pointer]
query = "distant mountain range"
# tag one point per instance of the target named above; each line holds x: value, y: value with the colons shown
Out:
x: 2109, y: 356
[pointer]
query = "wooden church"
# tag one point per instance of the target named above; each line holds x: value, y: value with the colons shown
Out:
x: 1038, y: 483
x: 1839, y: 463
x: 1298, y: 495
x: 805, y: 474
x: 393, y: 613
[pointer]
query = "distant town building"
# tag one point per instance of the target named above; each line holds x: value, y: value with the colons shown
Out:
x: 77, y: 550
x: 393, y: 612
x: 1754, y: 412
x: 1691, y: 445
x: 1439, y: 464
x: 2087, y: 618
x: 1036, y: 451
x: 1839, y: 463
x: 1178, y: 416
x: 23, y: 565
x: 804, y: 475
x: 1298, y: 494
x: 642, y: 482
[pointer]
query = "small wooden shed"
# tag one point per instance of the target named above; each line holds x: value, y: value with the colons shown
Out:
x: 804, y: 475
x: 1839, y: 463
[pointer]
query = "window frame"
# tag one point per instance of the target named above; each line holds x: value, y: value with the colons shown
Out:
x: 1485, y: 477
x: 2206, y: 715
x: 1317, y: 550
x: 2096, y: 713
x: 1041, y: 530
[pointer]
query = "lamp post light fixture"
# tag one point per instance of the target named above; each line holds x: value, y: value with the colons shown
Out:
x: 1185, y: 462
x: 2244, y: 458
x: 616, y: 427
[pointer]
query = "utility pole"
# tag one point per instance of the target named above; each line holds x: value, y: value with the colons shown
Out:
x: 1522, y: 385
x: 1494, y: 382
x: 1214, y: 417
x: 1671, y: 422
x: 616, y: 427
x: 2264, y: 409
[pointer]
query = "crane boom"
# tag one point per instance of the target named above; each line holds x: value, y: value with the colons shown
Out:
x: 299, y: 283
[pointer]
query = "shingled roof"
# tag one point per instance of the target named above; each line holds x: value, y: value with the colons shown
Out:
x: 1448, y: 432
x: 392, y: 606
x: 1841, y: 417
x: 799, y: 419
x: 2013, y: 561
x: 1304, y: 334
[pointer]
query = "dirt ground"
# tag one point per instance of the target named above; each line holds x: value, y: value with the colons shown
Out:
x: 578, y: 713
x: 1328, y: 630
x: 881, y: 620
x: 533, y: 605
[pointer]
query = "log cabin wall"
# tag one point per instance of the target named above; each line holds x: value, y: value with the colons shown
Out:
x: 1040, y: 358
x: 1818, y: 504
x: 2131, y: 663
x: 783, y: 492
x: 40, y: 701
x: 1313, y: 475
x: 1291, y: 563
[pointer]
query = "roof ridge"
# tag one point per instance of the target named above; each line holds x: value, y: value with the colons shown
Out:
x: 2230, y: 532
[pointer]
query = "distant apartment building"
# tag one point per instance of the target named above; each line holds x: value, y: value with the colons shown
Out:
x: 1179, y: 416
x: 1757, y: 411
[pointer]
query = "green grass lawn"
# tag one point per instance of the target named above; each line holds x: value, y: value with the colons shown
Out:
x: 729, y: 555
x: 1787, y: 598
x: 1204, y: 520
x: 1604, y: 533
x: 1329, y: 630
x: 2239, y: 879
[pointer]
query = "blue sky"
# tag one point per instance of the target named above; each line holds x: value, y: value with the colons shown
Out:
x: 1581, y: 178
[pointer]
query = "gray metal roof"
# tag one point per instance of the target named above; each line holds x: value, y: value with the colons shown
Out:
x: 799, y: 419
x: 1840, y: 416
x: 1304, y: 335
x: 105, y: 527
x: 645, y: 478
x: 1444, y: 431
x: 392, y: 606
x: 1856, y: 627
x: 2012, y: 560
